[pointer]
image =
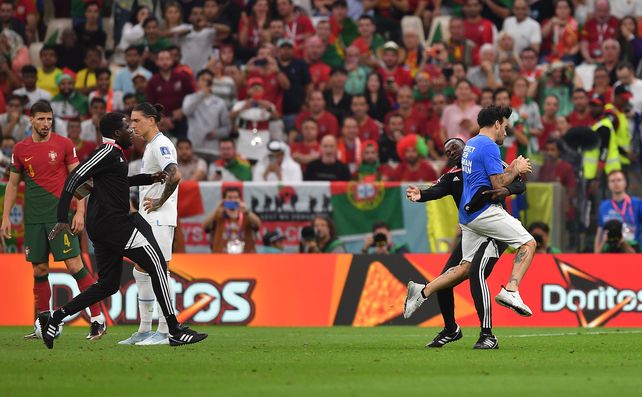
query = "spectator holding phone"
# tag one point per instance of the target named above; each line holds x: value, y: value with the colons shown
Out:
x: 232, y: 225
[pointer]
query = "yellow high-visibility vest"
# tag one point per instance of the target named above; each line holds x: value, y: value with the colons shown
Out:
x: 623, y: 134
x: 592, y: 157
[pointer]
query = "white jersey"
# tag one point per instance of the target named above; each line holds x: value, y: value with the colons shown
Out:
x: 159, y: 153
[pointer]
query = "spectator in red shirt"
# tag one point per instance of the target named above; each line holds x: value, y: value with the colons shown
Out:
x: 368, y: 41
x: 83, y: 148
x: 389, y: 139
x: 528, y: 59
x: 414, y: 167
x: 549, y: 119
x: 414, y: 120
x: 602, y: 83
x: 580, y: 116
x: 326, y: 122
x: 460, y: 48
x: 168, y: 87
x: 252, y: 29
x: 319, y: 71
x: 392, y: 73
x: 368, y: 128
x: 555, y: 169
x: 349, y: 145
x: 307, y: 149
x: 275, y: 82
x: 596, y: 30
x: 298, y: 27
x: 478, y: 30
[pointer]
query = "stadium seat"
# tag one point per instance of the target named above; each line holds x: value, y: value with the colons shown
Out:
x: 55, y: 28
x: 34, y: 53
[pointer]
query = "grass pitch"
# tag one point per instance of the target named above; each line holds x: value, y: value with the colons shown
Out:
x: 238, y: 361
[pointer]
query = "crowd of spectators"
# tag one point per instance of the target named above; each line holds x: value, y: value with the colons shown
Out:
x: 292, y: 90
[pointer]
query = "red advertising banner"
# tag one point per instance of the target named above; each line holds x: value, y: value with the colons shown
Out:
x: 358, y: 290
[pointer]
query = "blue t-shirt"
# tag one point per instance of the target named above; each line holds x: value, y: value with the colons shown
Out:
x: 632, y: 216
x: 480, y: 159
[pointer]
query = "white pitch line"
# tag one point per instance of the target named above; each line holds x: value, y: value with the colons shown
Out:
x: 572, y: 334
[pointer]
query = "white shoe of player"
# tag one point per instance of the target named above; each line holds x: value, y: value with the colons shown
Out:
x: 513, y: 300
x: 158, y: 338
x: 136, y: 337
x: 413, y: 299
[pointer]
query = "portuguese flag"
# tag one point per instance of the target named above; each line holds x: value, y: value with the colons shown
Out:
x: 356, y: 206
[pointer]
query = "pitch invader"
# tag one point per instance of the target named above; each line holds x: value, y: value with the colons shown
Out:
x: 44, y: 160
x: 159, y: 207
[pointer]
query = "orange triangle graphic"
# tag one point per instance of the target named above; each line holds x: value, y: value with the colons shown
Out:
x: 381, y: 299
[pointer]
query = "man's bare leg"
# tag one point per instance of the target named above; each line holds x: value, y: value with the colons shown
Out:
x: 521, y: 263
x: 453, y: 276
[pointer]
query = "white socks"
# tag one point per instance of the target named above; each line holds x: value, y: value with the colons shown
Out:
x: 162, y: 322
x: 146, y: 299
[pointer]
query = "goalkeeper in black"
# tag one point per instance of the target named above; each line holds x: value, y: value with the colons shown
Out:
x: 451, y: 184
x: 114, y: 231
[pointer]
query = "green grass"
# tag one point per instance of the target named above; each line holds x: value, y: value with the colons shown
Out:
x: 237, y: 361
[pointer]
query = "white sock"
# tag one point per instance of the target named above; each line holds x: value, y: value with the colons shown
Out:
x: 162, y: 322
x: 146, y: 299
x: 99, y: 318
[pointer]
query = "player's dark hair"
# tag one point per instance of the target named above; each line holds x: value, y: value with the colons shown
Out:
x: 488, y: 116
x: 110, y: 123
x: 150, y: 110
x: 183, y: 140
x: 454, y: 139
x: 539, y: 225
x: 41, y: 106
x: 380, y: 225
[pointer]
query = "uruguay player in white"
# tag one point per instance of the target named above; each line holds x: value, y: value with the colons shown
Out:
x: 158, y: 205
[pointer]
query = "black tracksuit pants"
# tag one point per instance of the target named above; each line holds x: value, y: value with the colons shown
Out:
x: 142, y: 249
x: 480, y: 269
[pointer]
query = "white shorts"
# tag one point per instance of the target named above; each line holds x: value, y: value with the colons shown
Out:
x: 493, y: 223
x: 164, y: 236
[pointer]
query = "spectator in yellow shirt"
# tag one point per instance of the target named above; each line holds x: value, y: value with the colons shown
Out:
x: 48, y: 72
x: 86, y: 78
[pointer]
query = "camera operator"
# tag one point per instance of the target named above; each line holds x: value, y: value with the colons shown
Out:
x: 623, y: 208
x: 232, y: 225
x: 540, y: 232
x: 320, y: 237
x: 615, y: 242
x: 381, y: 241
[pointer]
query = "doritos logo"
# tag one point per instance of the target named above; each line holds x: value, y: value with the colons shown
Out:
x: 593, y: 300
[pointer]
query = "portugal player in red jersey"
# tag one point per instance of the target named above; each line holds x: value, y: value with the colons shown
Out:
x: 44, y: 160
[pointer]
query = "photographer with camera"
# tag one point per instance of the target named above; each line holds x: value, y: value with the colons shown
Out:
x: 381, y: 241
x: 619, y: 219
x: 540, y: 232
x: 320, y: 237
x: 232, y: 225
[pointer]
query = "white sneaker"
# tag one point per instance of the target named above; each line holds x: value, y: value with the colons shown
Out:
x: 413, y: 299
x: 157, y: 338
x: 136, y: 337
x: 512, y: 300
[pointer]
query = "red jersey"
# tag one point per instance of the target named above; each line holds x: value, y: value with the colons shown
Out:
x: 303, y: 148
x: 370, y: 130
x: 549, y: 128
x: 425, y: 172
x: 84, y: 149
x: 169, y: 93
x: 43, y: 166
x: 272, y: 91
x: 327, y: 123
x: 298, y: 29
x: 415, y: 123
x: 575, y: 120
x: 595, y: 33
x: 401, y: 77
x: 480, y: 33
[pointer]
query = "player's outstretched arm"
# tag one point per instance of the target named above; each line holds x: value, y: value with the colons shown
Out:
x: 441, y: 188
x: 171, y: 183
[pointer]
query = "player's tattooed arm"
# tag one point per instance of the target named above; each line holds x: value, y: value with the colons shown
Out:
x: 171, y: 183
